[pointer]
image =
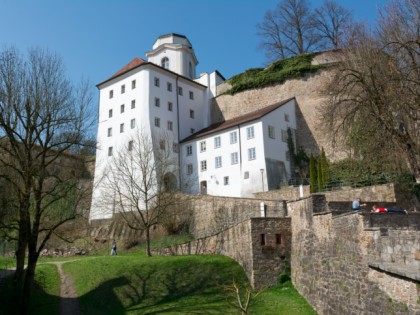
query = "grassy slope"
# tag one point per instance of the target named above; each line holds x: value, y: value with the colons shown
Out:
x: 136, y: 284
x: 45, y: 293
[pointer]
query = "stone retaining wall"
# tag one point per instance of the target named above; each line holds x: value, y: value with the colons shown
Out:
x: 334, y: 257
x: 262, y: 262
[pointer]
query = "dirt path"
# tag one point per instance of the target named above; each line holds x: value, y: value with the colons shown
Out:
x: 69, y: 304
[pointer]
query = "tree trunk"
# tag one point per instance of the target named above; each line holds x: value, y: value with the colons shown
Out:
x: 24, y: 227
x: 148, y: 252
x: 29, y: 280
x: 32, y: 260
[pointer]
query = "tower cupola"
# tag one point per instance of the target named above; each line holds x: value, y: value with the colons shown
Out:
x: 175, y: 53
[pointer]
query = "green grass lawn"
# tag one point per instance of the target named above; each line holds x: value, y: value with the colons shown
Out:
x: 135, y: 284
x: 45, y: 299
x: 132, y: 283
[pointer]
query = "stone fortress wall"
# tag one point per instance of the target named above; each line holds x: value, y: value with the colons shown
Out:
x: 310, y: 96
x: 355, y: 263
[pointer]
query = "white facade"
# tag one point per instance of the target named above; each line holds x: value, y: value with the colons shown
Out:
x: 241, y: 156
x: 163, y: 98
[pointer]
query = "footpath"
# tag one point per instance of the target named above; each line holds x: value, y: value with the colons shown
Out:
x: 69, y: 304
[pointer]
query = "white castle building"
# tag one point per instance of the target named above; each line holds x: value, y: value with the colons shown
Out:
x: 236, y: 158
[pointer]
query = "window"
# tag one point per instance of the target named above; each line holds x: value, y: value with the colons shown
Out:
x: 110, y: 151
x: 130, y: 145
x: 164, y: 63
x: 203, y: 146
x: 203, y: 165
x: 121, y: 128
x: 218, y: 161
x: 123, y: 89
x: 190, y: 70
x: 122, y: 108
x: 111, y: 94
x: 191, y: 113
x: 170, y: 106
x: 217, y: 142
x: 278, y: 239
x: 157, y: 101
x: 251, y: 154
x: 246, y: 175
x: 271, y: 132
x: 110, y: 113
x: 189, y: 169
x: 179, y: 90
x: 133, y: 123
x: 133, y: 84
x: 286, y: 117
x: 233, y: 137
x: 170, y: 125
x: 133, y: 104
x: 226, y: 180
x: 234, y: 158
x: 262, y: 237
x: 175, y: 147
x: 162, y: 144
x: 157, y: 122
x: 157, y: 82
x: 169, y: 86
x: 192, y: 130
x: 191, y: 95
x: 283, y: 135
x: 250, y: 132
x: 189, y: 150
x: 109, y: 132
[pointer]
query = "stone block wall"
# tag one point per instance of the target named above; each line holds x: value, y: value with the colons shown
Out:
x: 338, y: 262
x: 310, y: 95
x: 242, y: 242
x: 271, y: 247
x: 211, y: 214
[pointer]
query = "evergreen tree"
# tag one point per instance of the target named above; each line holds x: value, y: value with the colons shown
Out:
x: 319, y: 174
x: 325, y: 169
x: 312, y: 174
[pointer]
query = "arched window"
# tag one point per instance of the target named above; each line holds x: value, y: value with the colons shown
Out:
x: 165, y: 63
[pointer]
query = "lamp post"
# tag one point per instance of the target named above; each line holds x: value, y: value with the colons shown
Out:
x: 262, y: 178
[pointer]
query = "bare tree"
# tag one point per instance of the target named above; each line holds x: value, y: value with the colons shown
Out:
x: 140, y: 181
x: 42, y: 116
x: 331, y: 21
x: 375, y: 96
x: 288, y: 30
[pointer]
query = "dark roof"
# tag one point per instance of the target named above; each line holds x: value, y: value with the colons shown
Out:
x: 236, y: 121
x: 137, y: 62
x: 172, y: 34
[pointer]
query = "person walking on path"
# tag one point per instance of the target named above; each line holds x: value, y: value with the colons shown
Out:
x: 114, y: 248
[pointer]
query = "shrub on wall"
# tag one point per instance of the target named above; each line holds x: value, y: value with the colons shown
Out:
x: 275, y: 73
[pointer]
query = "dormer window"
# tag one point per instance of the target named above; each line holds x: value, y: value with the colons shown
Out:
x: 164, y: 63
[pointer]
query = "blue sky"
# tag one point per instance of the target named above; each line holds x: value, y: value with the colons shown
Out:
x: 96, y: 38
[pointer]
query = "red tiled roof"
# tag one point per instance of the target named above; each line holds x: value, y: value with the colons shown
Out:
x: 129, y: 66
x: 237, y: 120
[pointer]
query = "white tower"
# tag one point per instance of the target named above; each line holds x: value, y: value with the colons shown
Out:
x: 174, y: 52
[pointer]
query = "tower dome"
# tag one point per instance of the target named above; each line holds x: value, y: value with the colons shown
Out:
x: 175, y: 53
